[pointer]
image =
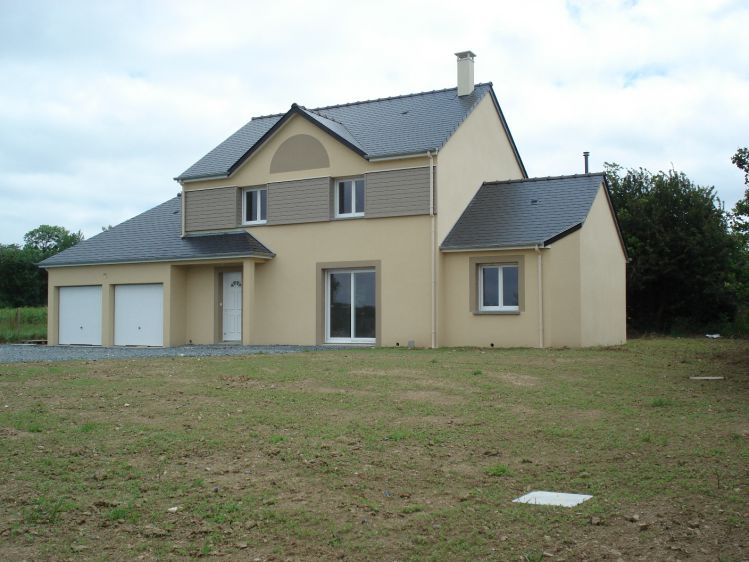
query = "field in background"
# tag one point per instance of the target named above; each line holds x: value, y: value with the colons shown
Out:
x: 380, y: 454
x: 20, y: 324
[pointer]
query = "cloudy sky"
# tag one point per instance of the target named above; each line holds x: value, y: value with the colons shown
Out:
x: 103, y: 103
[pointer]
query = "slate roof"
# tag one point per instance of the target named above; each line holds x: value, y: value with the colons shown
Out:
x: 396, y: 126
x: 521, y: 213
x: 155, y: 236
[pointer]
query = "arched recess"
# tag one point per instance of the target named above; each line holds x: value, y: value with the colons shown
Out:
x: 300, y: 152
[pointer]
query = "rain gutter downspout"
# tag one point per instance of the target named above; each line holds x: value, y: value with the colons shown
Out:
x: 433, y: 248
x: 539, y: 270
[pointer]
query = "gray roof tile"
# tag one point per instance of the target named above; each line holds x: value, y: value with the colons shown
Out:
x: 156, y: 236
x: 526, y: 212
x: 394, y: 126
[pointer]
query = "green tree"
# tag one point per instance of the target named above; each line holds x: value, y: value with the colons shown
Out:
x: 741, y: 209
x: 683, y: 256
x: 22, y: 282
x: 50, y: 240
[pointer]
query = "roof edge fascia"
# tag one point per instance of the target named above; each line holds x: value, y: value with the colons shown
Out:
x: 506, y: 128
x: 166, y: 260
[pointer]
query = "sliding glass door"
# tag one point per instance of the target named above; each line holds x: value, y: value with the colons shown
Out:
x: 350, y: 306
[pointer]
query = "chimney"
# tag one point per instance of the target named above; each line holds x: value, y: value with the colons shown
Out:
x: 585, y: 155
x: 465, y: 72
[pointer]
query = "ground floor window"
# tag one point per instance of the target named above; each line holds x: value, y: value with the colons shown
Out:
x: 498, y: 287
x: 350, y: 306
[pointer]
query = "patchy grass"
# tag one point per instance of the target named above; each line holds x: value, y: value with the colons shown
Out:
x: 380, y: 454
x: 19, y: 324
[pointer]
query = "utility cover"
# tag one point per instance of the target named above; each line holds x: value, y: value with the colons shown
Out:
x: 552, y: 498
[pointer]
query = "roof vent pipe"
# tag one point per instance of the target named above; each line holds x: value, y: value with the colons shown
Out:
x: 465, y: 72
x: 585, y: 155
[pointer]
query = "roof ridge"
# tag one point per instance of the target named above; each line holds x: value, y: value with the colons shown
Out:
x: 329, y: 118
x: 347, y: 104
x: 543, y: 178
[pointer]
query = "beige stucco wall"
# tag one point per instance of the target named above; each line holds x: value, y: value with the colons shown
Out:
x: 343, y: 161
x: 286, y: 310
x: 603, y: 278
x: 461, y: 326
x: 478, y: 151
x: 108, y: 276
x: 561, y: 281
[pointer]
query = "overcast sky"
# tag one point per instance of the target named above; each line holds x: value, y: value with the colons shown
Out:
x: 102, y: 103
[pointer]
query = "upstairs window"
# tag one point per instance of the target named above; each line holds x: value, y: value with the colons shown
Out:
x: 254, y: 205
x: 498, y: 287
x: 349, y: 198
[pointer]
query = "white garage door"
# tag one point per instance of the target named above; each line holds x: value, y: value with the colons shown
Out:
x: 80, y: 315
x: 139, y: 314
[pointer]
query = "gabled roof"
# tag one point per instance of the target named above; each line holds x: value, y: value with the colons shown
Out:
x: 524, y: 213
x: 155, y: 236
x: 396, y: 126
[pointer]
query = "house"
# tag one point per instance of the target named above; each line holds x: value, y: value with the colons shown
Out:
x: 407, y: 220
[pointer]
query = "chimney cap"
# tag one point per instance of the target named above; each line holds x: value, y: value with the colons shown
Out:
x: 465, y: 55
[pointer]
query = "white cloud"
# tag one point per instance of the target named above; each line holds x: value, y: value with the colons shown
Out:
x: 103, y: 103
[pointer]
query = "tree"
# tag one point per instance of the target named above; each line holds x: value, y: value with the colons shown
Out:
x: 683, y: 257
x: 50, y: 240
x: 740, y: 220
x: 22, y: 282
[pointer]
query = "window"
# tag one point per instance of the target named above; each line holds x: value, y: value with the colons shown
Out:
x: 498, y: 287
x: 349, y: 198
x: 254, y: 205
x: 350, y: 306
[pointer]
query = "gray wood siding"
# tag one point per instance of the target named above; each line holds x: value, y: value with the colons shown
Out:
x: 397, y: 193
x: 212, y: 209
x: 299, y: 201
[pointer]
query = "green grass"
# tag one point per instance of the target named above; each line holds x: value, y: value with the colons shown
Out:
x: 19, y: 324
x: 379, y: 454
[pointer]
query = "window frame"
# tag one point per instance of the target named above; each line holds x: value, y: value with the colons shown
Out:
x: 327, y: 338
x: 336, y: 198
x: 245, y: 192
x: 501, y: 307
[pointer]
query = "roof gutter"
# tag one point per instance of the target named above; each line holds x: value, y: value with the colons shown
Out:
x: 167, y: 260
x: 432, y: 151
x: 495, y: 249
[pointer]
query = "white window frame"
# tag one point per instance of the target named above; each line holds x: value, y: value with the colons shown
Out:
x: 500, y: 280
x: 247, y: 190
x: 352, y: 339
x: 336, y: 198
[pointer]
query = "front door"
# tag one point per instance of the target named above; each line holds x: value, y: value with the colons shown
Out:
x: 350, y: 306
x: 232, y: 306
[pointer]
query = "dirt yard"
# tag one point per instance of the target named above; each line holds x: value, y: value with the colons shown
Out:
x: 383, y: 454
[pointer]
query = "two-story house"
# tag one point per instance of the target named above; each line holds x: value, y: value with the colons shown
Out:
x: 399, y: 221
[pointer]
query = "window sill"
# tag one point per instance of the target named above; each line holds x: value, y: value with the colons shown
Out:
x: 255, y: 223
x: 496, y: 312
x: 348, y: 217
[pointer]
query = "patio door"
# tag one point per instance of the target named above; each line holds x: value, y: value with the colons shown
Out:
x: 350, y: 306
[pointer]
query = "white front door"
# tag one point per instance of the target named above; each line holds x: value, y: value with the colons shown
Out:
x: 232, y: 306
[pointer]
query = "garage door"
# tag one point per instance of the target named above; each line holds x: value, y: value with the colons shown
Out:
x: 139, y: 314
x: 80, y: 315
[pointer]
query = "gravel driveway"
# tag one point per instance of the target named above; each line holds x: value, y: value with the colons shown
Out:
x: 16, y: 353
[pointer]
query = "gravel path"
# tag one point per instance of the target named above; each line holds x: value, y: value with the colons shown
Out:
x: 16, y: 353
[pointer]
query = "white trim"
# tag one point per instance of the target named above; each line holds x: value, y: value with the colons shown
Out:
x: 352, y: 339
x: 501, y: 307
x: 337, y: 185
x: 245, y: 191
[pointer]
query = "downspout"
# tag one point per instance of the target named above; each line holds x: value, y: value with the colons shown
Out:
x: 540, y: 283
x: 433, y: 248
